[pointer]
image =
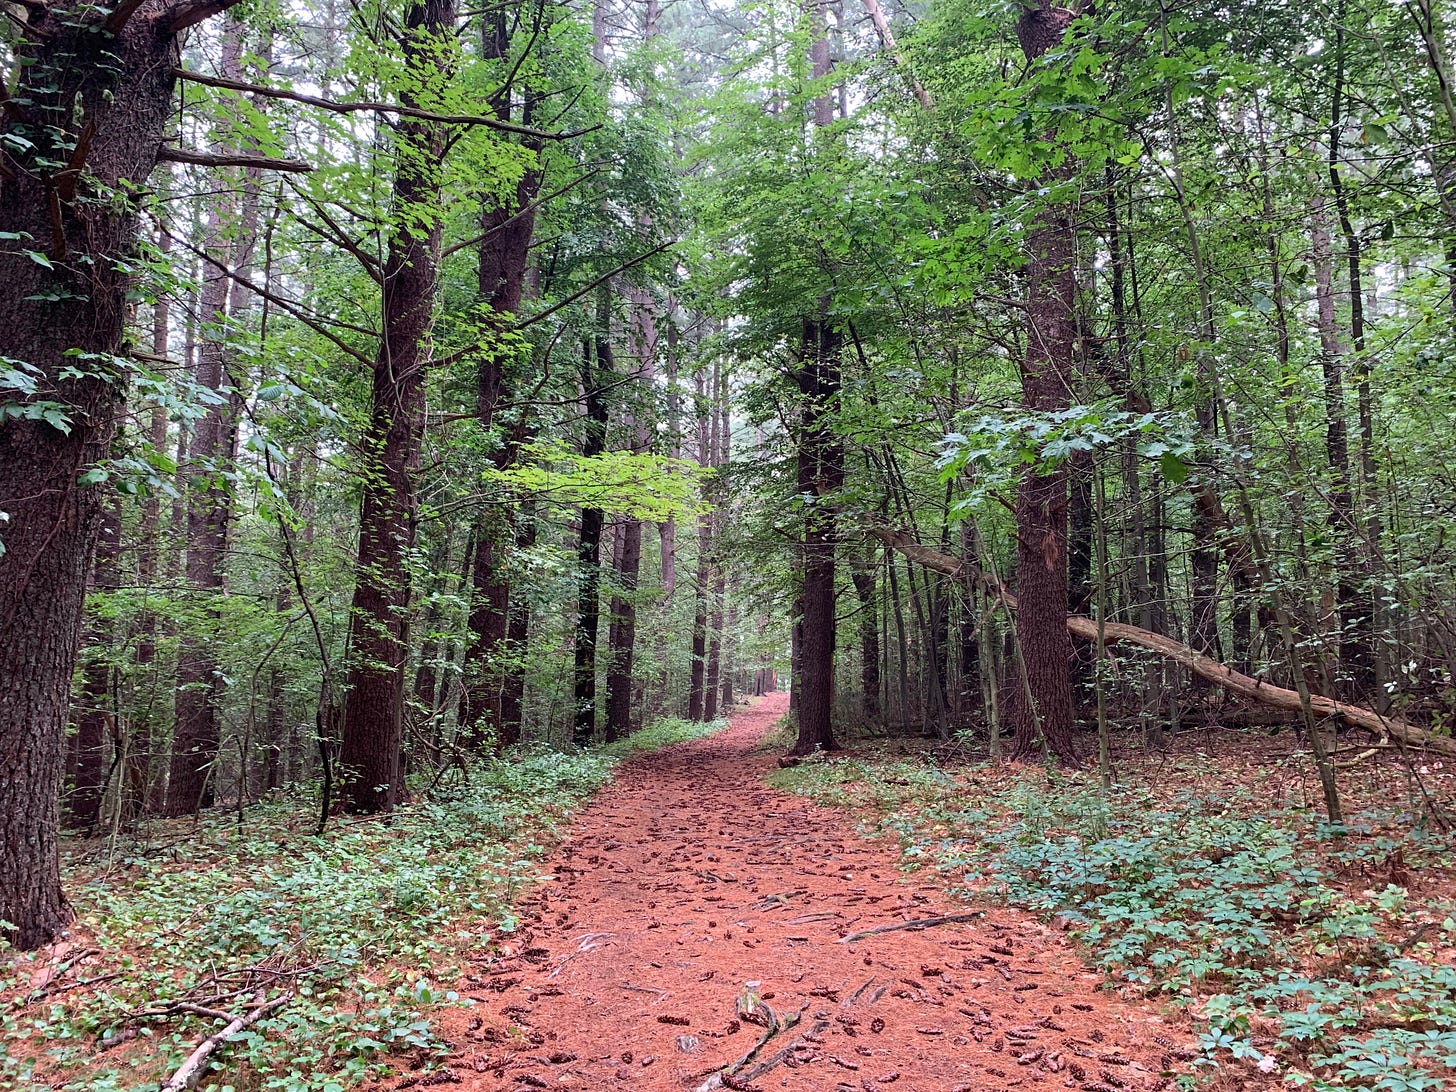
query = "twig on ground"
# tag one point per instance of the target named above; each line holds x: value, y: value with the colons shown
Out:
x: 189, y: 1070
x: 775, y: 1025
x: 918, y: 923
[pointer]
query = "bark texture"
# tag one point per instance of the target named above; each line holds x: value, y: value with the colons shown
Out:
x: 821, y: 474
x: 96, y: 99
x: 1044, y: 717
x: 373, y: 726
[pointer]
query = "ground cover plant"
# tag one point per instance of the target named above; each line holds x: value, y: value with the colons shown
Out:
x: 1319, y: 956
x: 361, y: 930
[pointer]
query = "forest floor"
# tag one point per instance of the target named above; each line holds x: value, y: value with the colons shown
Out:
x: 694, y: 914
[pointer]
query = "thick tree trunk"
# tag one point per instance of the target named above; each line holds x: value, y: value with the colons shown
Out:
x: 820, y: 476
x: 100, y: 100
x: 1044, y: 716
x: 373, y: 725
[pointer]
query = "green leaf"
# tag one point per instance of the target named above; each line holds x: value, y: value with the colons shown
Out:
x: 1173, y: 468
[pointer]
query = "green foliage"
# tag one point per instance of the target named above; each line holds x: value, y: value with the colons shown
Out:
x: 663, y: 733
x: 639, y: 485
x: 1240, y: 912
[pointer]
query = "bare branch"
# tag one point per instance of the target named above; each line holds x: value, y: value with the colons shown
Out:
x: 569, y: 300
x: 191, y: 12
x: 519, y: 213
x: 288, y: 306
x: 168, y: 154
x: 266, y: 92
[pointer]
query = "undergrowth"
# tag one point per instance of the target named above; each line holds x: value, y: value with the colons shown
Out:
x: 1299, y: 953
x: 360, y: 926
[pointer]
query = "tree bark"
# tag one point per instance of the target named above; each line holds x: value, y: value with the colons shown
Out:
x: 863, y: 576
x: 95, y: 711
x: 820, y: 475
x: 100, y: 100
x: 596, y: 366
x: 1044, y: 717
x: 370, y: 774
x: 623, y: 632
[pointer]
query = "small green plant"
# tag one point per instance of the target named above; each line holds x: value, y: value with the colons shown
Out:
x: 1233, y: 911
x: 359, y: 925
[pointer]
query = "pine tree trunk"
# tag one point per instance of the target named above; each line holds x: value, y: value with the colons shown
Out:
x: 863, y: 576
x: 622, y: 642
x: 232, y: 235
x: 507, y: 227
x: 596, y: 367
x: 1041, y: 499
x: 101, y: 100
x: 370, y: 775
x: 820, y: 475
x: 95, y: 712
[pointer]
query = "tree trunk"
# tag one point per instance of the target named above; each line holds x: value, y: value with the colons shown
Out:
x: 820, y: 475
x: 370, y: 775
x: 95, y: 711
x: 1358, y: 646
x: 99, y: 99
x: 518, y: 632
x: 1041, y: 499
x: 623, y: 632
x: 863, y: 576
x: 200, y: 683
x: 596, y: 367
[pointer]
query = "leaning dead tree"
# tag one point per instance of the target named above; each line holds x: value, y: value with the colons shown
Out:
x: 1205, y: 667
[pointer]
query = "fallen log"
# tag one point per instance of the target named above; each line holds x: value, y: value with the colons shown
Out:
x: 1205, y: 667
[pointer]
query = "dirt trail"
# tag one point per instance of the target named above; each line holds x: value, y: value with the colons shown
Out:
x: 689, y: 880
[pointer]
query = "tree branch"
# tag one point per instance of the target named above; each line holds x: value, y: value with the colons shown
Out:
x: 263, y: 91
x: 191, y: 12
x: 288, y: 306
x: 168, y: 154
x: 449, y: 250
x: 569, y: 300
x: 189, y: 1070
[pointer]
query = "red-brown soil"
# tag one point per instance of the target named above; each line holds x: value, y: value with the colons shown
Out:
x: 689, y: 881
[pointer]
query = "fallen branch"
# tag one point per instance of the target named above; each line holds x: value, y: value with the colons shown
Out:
x: 1205, y: 667
x: 778, y: 1057
x: 916, y: 925
x: 774, y: 1027
x: 189, y: 1070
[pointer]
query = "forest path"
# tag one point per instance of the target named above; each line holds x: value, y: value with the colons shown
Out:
x: 689, y: 878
